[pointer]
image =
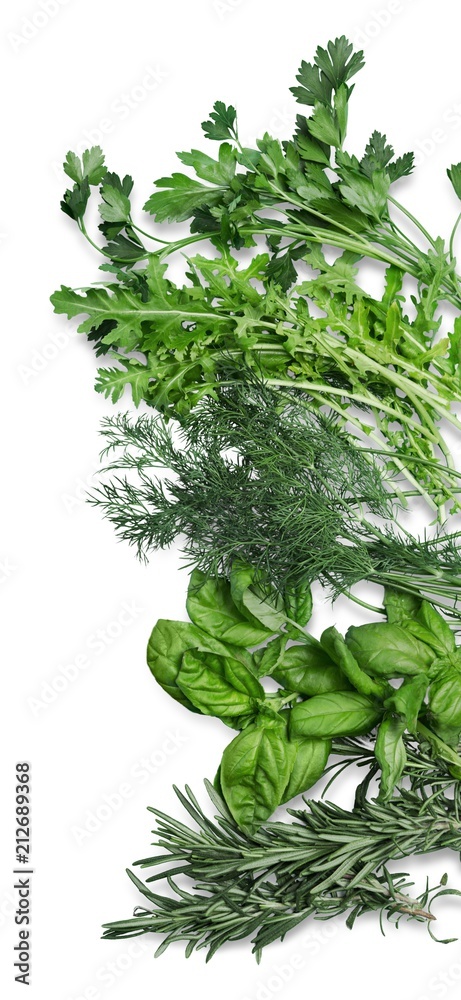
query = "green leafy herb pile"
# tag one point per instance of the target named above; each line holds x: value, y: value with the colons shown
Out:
x: 258, y: 476
x: 297, y: 417
x: 326, y: 689
x: 327, y: 862
x: 318, y: 331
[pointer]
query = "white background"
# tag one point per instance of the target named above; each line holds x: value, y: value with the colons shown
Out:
x: 63, y: 576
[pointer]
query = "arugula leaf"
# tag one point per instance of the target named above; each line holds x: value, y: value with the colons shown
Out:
x: 112, y: 382
x: 454, y: 352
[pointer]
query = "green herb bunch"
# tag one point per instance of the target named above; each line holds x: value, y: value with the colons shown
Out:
x: 326, y: 689
x: 377, y: 363
x: 257, y: 476
x: 297, y: 414
x: 327, y: 861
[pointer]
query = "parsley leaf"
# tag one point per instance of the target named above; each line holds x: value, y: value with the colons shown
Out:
x: 222, y: 123
x: 180, y: 198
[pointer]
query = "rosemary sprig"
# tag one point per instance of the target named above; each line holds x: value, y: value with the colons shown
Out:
x: 326, y: 862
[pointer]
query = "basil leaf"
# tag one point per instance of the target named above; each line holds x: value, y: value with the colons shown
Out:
x: 422, y: 633
x: 448, y: 734
x: 255, y: 769
x: 169, y: 640
x: 309, y: 670
x: 391, y: 755
x: 308, y: 765
x: 240, y: 722
x: 385, y: 650
x: 408, y: 699
x: 334, y: 644
x: 436, y: 624
x: 399, y: 606
x: 210, y: 606
x: 441, y: 750
x: 341, y: 713
x: 445, y: 699
x: 218, y: 685
x: 298, y: 604
x: 248, y: 595
x: 268, y: 659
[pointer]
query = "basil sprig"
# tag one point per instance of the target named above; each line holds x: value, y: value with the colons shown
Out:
x: 241, y: 632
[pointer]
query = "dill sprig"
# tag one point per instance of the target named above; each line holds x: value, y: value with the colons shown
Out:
x: 327, y: 861
x: 255, y: 474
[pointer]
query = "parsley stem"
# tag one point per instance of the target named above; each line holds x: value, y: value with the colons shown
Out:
x: 150, y: 236
x: 452, y: 238
x: 411, y: 217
